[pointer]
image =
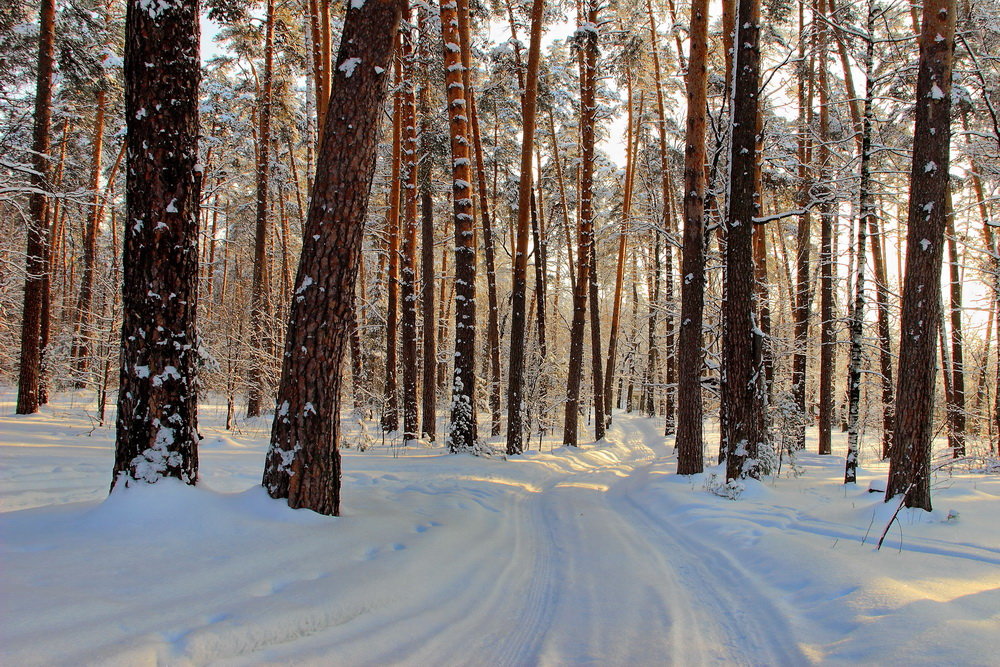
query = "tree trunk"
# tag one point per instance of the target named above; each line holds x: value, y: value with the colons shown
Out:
x: 84, y: 314
x: 956, y: 407
x: 742, y: 387
x: 909, y: 467
x: 408, y: 272
x: 303, y: 461
x: 157, y: 425
x: 588, y: 64
x: 519, y: 280
x: 35, y: 281
x: 827, y: 339
x: 689, y: 443
x: 259, y: 311
x: 867, y: 211
x: 800, y: 313
x: 463, y: 434
x: 390, y: 410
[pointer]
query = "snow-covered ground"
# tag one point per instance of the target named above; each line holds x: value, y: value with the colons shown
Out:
x: 598, y: 555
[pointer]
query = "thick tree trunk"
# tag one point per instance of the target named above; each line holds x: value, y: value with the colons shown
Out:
x: 909, y: 467
x: 303, y: 461
x: 742, y: 387
x: 463, y: 433
x: 493, y: 312
x: 689, y: 443
x: 36, y: 277
x: 157, y: 426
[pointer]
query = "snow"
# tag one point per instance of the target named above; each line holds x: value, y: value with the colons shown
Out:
x: 596, y: 555
x: 348, y: 66
x: 936, y: 93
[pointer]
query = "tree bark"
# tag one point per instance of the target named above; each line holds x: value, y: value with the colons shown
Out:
x: 408, y: 272
x: 36, y: 276
x: 585, y: 237
x: 390, y: 410
x: 157, y: 425
x: 689, y: 443
x: 259, y: 292
x: 303, y: 461
x: 909, y: 467
x: 519, y: 280
x: 742, y: 428
x: 463, y: 433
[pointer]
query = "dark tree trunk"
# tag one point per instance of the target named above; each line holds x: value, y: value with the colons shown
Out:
x: 85, y: 317
x: 36, y: 278
x: 463, y: 434
x: 303, y: 461
x: 689, y: 443
x: 408, y: 270
x: 956, y: 407
x: 867, y: 210
x: 742, y: 387
x: 428, y: 319
x: 588, y: 63
x: 827, y: 339
x: 518, y: 320
x: 390, y: 410
x: 259, y: 292
x: 800, y: 312
x: 909, y: 465
x: 157, y: 426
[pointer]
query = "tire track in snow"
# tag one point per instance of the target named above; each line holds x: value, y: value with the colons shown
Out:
x: 742, y: 619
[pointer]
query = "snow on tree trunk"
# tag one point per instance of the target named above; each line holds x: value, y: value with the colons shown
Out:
x: 909, y: 466
x: 157, y: 427
x: 303, y: 461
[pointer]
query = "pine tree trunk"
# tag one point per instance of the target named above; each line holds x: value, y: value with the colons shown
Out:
x: 689, y: 442
x: 867, y: 211
x: 909, y: 467
x: 463, y: 433
x: 408, y: 283
x: 585, y: 237
x: 827, y: 339
x: 956, y: 407
x: 519, y: 280
x: 622, y: 249
x: 303, y: 461
x: 157, y: 425
x: 390, y: 410
x: 259, y: 311
x: 36, y: 277
x: 85, y: 317
x: 800, y: 313
x: 742, y: 395
x: 493, y: 312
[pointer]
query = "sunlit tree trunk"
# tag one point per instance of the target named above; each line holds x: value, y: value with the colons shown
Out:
x: 463, y: 434
x: 519, y: 280
x: 259, y: 311
x: 742, y: 387
x: 36, y: 276
x: 909, y: 466
x: 303, y: 460
x: 689, y: 443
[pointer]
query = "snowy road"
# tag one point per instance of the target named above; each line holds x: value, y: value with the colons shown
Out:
x: 592, y: 556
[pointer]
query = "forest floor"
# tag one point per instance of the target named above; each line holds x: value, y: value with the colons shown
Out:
x: 597, y: 555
